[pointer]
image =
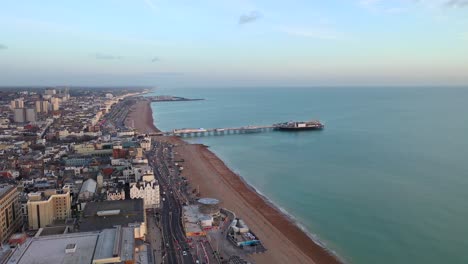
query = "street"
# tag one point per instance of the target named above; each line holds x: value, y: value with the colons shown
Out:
x: 175, y: 247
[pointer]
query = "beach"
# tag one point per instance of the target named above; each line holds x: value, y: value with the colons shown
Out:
x: 284, y: 240
x: 142, y: 117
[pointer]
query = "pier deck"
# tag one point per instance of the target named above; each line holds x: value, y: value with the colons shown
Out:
x: 200, y: 132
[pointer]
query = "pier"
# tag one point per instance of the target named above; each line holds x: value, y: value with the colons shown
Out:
x: 201, y: 132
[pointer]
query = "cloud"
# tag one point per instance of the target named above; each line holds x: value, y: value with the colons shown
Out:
x: 101, y: 56
x: 250, y: 17
x: 155, y: 59
x: 444, y: 3
x: 316, y: 33
x: 2, y: 47
x: 456, y: 3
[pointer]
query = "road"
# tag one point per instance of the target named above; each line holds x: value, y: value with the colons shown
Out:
x: 154, y: 236
x: 174, y: 239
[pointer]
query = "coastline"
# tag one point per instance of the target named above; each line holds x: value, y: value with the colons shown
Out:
x: 281, y: 210
x: 286, y: 241
x: 142, y: 116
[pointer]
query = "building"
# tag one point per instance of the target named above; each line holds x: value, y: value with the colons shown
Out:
x: 19, y: 115
x: 113, y: 245
x: 148, y: 191
x: 17, y: 103
x: 10, y: 212
x: 146, y: 144
x: 23, y: 115
x: 47, y: 207
x: 87, y: 191
x: 30, y: 115
x: 42, y: 106
x: 116, y: 194
x: 50, y: 91
x: 107, y: 214
x: 55, y: 102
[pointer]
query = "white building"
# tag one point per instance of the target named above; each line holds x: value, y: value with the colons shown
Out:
x: 146, y: 144
x: 148, y: 191
x: 126, y: 133
x: 100, y: 180
x: 116, y: 195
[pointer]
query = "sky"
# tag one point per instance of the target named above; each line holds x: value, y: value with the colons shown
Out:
x: 230, y: 43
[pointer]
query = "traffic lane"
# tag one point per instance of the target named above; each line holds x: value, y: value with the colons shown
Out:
x: 167, y: 235
x: 173, y: 206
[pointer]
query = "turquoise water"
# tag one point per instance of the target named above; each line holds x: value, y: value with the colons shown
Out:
x: 385, y: 182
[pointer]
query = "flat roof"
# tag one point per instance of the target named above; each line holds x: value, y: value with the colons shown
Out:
x: 128, y: 244
x: 4, y: 189
x: 105, y: 244
x: 131, y: 211
x: 51, y: 249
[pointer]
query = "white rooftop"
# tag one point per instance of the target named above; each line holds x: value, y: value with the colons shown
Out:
x: 89, y: 186
x: 51, y: 249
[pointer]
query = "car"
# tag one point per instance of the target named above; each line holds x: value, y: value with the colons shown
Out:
x: 184, y: 253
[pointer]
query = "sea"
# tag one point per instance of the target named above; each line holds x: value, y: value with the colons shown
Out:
x: 386, y: 181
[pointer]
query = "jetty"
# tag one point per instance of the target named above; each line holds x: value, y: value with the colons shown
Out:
x: 202, y: 132
x: 170, y: 98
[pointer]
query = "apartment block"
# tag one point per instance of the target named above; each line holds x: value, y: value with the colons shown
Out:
x: 10, y: 212
x: 46, y: 207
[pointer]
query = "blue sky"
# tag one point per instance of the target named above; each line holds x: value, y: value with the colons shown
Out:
x: 234, y: 43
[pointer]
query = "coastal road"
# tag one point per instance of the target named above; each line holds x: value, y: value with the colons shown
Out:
x: 154, y: 236
x: 174, y: 239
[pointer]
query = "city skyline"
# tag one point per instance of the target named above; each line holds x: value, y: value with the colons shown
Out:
x: 235, y: 43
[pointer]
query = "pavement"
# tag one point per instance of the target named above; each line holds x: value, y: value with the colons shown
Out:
x: 154, y: 236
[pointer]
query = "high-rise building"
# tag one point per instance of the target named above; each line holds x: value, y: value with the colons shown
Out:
x: 23, y: 115
x: 30, y: 114
x: 43, y: 210
x: 42, y: 106
x: 10, y: 212
x: 17, y: 103
x: 19, y: 115
x: 55, y: 103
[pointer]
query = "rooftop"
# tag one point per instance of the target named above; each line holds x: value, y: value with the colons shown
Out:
x: 4, y: 189
x: 131, y: 211
x: 51, y: 249
x: 116, y: 245
x: 89, y: 186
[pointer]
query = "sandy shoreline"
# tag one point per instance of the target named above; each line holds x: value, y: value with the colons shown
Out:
x: 142, y: 116
x: 284, y: 240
